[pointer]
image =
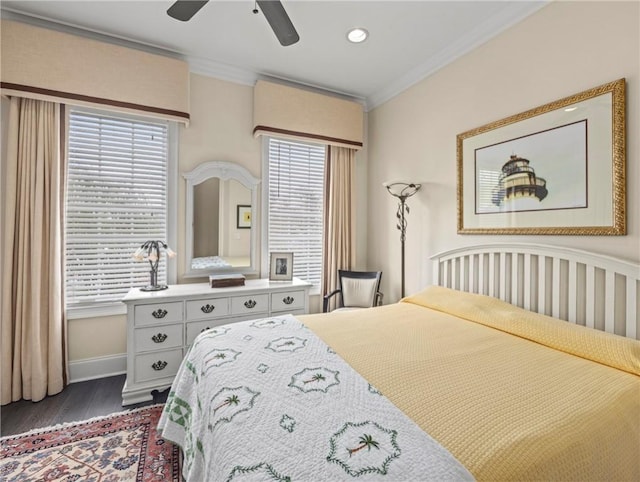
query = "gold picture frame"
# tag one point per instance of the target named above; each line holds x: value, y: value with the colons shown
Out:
x: 557, y: 169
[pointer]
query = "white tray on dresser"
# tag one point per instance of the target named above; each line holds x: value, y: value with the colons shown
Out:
x: 161, y: 325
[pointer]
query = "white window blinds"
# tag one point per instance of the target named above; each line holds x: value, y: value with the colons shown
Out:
x: 296, y: 193
x: 116, y: 199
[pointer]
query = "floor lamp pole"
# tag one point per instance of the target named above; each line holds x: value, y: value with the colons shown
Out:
x: 403, y: 231
x: 402, y: 191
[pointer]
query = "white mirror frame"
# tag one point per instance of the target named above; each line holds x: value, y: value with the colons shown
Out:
x: 224, y: 171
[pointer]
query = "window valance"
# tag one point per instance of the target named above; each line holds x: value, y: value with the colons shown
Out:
x: 295, y: 113
x: 50, y: 65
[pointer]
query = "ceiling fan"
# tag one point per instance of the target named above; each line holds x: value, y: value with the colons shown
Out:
x: 273, y: 10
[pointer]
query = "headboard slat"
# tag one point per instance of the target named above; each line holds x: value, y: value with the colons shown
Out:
x: 542, y: 285
x: 527, y: 281
x: 609, y: 298
x: 590, y: 297
x: 515, y: 281
x: 492, y: 275
x: 472, y: 274
x: 503, y: 276
x: 481, y: 274
x: 632, y: 307
x: 555, y: 288
x: 572, y: 291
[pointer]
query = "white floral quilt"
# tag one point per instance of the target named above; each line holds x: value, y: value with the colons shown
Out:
x: 268, y: 400
x: 206, y: 262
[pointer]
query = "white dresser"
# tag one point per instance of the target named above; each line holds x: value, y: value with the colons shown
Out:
x: 162, y: 324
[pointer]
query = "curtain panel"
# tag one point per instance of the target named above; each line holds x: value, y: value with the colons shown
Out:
x: 339, y: 245
x: 32, y: 323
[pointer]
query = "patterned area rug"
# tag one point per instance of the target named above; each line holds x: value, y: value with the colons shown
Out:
x: 124, y: 446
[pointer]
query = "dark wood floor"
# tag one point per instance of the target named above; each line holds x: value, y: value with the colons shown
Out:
x: 78, y: 401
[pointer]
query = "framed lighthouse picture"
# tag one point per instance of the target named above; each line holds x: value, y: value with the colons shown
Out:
x: 555, y: 169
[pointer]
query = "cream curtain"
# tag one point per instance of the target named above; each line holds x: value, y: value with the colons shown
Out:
x: 32, y: 324
x: 339, y: 244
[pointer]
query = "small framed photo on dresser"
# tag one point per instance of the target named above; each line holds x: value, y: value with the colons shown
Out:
x: 281, y: 267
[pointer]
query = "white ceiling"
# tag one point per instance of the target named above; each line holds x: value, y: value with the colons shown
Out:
x: 408, y: 39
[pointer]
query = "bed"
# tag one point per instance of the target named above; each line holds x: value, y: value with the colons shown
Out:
x: 453, y: 383
x: 217, y: 262
x: 208, y: 262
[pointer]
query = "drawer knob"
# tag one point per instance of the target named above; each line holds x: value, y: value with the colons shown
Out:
x: 207, y: 308
x: 204, y: 329
x: 159, y: 338
x: 288, y: 300
x: 250, y: 304
x: 159, y: 365
x: 159, y: 313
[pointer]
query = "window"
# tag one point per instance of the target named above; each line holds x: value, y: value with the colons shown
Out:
x: 295, y: 185
x: 118, y: 183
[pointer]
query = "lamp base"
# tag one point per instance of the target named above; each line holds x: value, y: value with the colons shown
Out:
x: 154, y: 288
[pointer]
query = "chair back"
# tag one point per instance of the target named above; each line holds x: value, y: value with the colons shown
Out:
x: 359, y: 288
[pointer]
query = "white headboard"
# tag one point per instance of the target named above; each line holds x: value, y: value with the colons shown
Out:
x: 589, y: 289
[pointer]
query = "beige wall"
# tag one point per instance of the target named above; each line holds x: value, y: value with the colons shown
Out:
x: 220, y: 130
x: 563, y: 49
x: 234, y: 241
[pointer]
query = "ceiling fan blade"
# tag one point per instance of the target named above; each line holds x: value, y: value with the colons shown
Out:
x: 183, y: 10
x: 279, y: 21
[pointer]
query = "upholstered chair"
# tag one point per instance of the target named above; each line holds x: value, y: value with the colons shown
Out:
x: 357, y: 289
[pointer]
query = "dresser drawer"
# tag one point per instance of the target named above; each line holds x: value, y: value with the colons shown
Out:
x: 158, y: 313
x: 207, y: 308
x: 241, y: 305
x: 287, y: 300
x: 289, y: 312
x: 157, y: 364
x: 194, y: 328
x: 158, y: 338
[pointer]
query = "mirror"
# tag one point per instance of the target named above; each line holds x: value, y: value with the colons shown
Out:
x: 221, y: 202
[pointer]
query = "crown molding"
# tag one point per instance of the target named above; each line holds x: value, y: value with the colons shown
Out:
x: 492, y: 27
x: 218, y: 70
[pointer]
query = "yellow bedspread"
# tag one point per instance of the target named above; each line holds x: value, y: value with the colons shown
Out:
x: 507, y: 406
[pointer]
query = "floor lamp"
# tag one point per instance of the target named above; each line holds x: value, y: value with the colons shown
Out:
x: 402, y: 190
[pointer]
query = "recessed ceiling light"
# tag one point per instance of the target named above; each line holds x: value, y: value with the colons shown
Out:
x: 357, y: 35
x: 570, y: 109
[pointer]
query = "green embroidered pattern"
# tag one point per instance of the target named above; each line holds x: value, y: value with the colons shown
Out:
x: 212, y: 333
x: 287, y: 344
x: 219, y: 357
x: 228, y: 403
x: 179, y: 412
x: 288, y: 423
x: 262, y: 368
x: 267, y: 471
x: 374, y: 390
x: 318, y: 379
x: 363, y: 448
x: 268, y: 323
x: 192, y: 368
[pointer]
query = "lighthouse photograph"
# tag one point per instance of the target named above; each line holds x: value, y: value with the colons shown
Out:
x: 542, y: 171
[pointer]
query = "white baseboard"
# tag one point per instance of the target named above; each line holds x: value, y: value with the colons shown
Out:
x: 99, y: 367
